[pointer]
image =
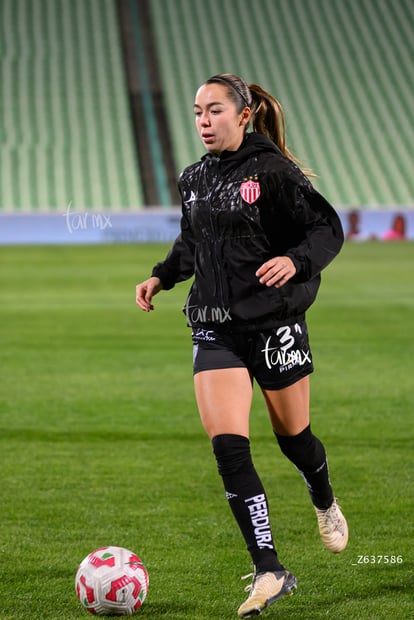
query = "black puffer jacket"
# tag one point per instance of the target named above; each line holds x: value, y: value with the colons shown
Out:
x: 238, y: 211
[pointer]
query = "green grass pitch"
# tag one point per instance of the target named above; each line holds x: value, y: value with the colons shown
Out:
x: 101, y: 442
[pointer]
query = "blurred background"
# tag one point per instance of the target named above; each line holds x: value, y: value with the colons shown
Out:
x: 97, y: 95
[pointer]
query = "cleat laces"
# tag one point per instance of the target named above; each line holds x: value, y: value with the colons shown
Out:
x: 249, y: 586
x: 333, y: 527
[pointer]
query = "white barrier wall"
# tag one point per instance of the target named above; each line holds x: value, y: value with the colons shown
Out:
x: 89, y: 227
x: 153, y: 225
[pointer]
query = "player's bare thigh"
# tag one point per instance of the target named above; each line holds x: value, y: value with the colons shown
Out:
x: 289, y: 407
x: 224, y: 398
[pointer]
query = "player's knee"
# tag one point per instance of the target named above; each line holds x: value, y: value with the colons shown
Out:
x: 304, y: 450
x: 232, y: 453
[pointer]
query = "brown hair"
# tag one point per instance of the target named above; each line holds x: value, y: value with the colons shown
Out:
x: 267, y: 118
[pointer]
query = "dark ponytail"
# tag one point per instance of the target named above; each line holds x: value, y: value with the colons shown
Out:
x: 268, y: 118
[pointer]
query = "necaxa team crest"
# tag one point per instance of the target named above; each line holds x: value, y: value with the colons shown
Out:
x: 250, y: 191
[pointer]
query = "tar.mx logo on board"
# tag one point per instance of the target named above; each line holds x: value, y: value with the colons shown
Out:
x: 85, y: 220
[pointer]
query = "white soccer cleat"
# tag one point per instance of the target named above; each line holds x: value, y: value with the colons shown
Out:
x: 265, y: 589
x: 333, y: 527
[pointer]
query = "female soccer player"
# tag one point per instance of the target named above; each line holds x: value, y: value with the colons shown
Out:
x: 256, y: 236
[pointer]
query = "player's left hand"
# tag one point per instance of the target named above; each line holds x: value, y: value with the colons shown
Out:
x: 276, y: 271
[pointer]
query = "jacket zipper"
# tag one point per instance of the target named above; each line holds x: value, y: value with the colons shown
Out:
x: 216, y: 264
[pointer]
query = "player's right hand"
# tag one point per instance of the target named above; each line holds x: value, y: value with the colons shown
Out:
x: 146, y: 291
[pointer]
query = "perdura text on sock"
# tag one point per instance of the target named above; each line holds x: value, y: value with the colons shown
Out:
x: 260, y: 520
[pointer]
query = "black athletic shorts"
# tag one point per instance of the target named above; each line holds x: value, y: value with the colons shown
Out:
x: 276, y: 357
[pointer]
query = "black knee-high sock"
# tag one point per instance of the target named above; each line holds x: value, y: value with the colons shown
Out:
x: 247, y: 499
x: 308, y: 455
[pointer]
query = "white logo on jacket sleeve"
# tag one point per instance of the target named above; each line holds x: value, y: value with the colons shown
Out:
x: 192, y: 198
x: 250, y: 191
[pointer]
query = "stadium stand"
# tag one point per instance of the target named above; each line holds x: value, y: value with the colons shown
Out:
x: 342, y: 70
x: 67, y: 135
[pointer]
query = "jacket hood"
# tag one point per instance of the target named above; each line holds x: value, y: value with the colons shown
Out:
x: 252, y: 144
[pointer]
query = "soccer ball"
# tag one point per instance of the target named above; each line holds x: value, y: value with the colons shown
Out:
x: 112, y: 581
